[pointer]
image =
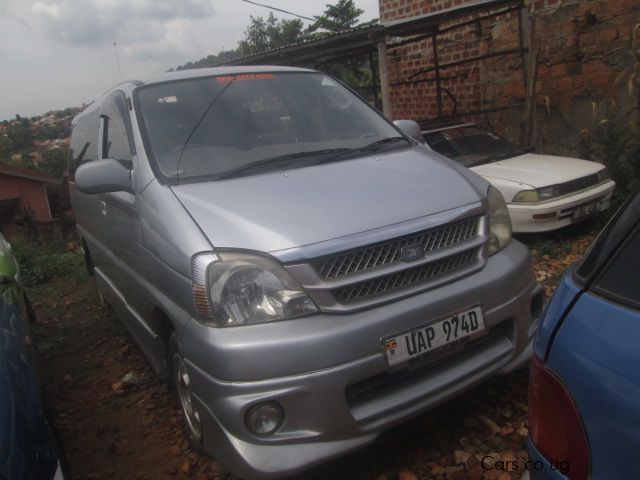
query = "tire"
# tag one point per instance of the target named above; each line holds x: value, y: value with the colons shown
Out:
x: 180, y: 383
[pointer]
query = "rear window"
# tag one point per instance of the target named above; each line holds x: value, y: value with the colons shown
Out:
x: 621, y: 279
x: 470, y: 145
x: 610, y: 238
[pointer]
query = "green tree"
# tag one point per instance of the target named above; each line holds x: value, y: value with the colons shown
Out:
x: 6, y: 147
x: 23, y: 160
x: 355, y: 71
x: 21, y: 136
x: 54, y: 162
x: 268, y: 33
x: 211, y: 60
x: 337, y: 18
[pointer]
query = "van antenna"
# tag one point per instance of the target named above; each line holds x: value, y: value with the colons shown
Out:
x: 115, y: 48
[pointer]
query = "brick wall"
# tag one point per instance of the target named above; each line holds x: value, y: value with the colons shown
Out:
x: 32, y: 195
x: 584, y: 47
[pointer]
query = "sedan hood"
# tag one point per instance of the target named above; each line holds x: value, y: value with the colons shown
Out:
x: 280, y: 210
x: 538, y: 170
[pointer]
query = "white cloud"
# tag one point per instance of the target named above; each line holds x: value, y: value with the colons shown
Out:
x: 59, y: 53
x: 97, y: 22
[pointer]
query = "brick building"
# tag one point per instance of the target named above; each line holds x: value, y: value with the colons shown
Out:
x: 582, y: 48
x: 24, y: 190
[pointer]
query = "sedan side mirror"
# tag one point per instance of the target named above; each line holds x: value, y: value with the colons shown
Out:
x: 103, y: 176
x: 409, y: 127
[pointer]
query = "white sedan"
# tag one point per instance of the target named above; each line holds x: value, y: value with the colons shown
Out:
x: 543, y: 192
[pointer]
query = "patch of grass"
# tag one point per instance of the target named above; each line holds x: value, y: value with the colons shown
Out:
x: 42, y: 262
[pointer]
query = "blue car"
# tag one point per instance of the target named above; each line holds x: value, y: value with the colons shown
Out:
x: 584, y: 387
x: 28, y: 446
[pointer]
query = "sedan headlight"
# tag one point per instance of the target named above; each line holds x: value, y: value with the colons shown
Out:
x: 526, y: 196
x: 243, y: 289
x: 548, y: 193
x: 539, y: 195
x: 499, y: 221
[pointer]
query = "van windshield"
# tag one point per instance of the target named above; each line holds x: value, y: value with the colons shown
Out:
x: 232, y: 125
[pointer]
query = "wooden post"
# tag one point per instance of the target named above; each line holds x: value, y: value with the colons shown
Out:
x: 436, y: 65
x: 384, y: 78
x: 529, y: 118
x: 374, y: 79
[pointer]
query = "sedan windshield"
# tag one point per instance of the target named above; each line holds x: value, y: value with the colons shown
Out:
x: 232, y: 125
x: 471, y: 145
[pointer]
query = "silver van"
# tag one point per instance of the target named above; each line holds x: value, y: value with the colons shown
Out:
x: 306, y: 273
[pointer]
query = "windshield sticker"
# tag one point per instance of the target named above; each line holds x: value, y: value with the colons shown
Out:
x: 243, y: 77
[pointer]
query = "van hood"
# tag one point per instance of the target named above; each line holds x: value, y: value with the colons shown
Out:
x: 280, y: 209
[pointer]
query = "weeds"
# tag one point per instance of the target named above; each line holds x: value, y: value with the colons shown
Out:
x: 616, y: 143
x: 42, y: 262
x: 613, y: 139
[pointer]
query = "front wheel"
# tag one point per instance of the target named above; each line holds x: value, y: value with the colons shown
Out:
x: 182, y: 386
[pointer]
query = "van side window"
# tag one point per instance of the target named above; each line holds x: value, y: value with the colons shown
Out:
x: 83, y: 145
x: 621, y: 278
x: 116, y: 130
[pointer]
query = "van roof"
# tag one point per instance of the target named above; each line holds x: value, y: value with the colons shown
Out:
x: 225, y: 70
x: 190, y: 73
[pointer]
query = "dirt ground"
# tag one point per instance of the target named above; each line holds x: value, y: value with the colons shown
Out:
x: 117, y: 420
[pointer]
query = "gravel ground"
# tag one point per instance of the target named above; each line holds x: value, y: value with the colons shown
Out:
x: 118, y: 421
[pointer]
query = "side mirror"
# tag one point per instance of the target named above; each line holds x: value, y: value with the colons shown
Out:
x: 103, y: 176
x: 409, y: 127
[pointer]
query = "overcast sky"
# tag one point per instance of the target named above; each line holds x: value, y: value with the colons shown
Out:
x: 60, y: 53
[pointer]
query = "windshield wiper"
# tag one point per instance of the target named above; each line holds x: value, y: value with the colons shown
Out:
x: 277, y: 161
x: 378, y: 144
x: 370, y: 147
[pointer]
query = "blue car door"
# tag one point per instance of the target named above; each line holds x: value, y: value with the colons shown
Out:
x: 595, y: 351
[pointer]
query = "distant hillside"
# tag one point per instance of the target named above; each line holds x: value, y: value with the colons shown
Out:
x: 211, y: 60
x: 39, y: 142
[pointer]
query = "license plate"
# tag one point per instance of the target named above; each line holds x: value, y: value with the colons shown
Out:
x: 424, y: 339
x: 586, y: 210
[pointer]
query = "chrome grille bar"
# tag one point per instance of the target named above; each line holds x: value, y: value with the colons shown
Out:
x: 387, y: 253
x: 405, y: 278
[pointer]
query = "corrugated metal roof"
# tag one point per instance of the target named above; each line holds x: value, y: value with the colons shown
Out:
x: 324, y: 37
x: 28, y: 173
x: 364, y: 37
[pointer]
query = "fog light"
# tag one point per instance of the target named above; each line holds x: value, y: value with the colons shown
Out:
x: 264, y: 419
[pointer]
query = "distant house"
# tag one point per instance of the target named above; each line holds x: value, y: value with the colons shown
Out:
x: 24, y: 190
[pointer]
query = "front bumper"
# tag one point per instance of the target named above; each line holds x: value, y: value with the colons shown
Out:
x: 329, y: 374
x: 555, y: 214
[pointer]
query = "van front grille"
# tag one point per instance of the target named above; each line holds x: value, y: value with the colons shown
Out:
x: 389, y: 252
x: 405, y: 278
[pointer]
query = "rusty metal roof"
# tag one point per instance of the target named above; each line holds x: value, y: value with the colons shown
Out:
x: 28, y: 173
x: 362, y: 39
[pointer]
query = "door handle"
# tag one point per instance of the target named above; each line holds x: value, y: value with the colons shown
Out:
x: 103, y: 207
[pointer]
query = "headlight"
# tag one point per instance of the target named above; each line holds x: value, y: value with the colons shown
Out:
x: 539, y: 195
x: 499, y: 221
x: 243, y: 289
x: 527, y: 196
x: 604, y: 175
x: 547, y: 193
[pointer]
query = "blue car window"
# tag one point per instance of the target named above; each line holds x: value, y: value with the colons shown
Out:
x: 608, y: 241
x: 620, y: 281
